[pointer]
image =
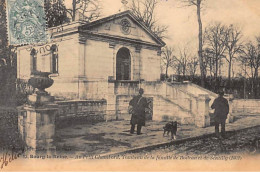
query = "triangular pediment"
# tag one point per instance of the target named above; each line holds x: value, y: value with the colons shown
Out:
x: 123, y: 25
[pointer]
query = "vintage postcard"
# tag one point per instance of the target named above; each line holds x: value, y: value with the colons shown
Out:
x: 129, y: 85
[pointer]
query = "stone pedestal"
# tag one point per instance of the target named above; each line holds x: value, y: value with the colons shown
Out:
x: 202, y: 119
x: 37, y: 126
x: 40, y: 99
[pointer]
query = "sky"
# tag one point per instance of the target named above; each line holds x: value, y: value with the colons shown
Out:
x: 182, y: 21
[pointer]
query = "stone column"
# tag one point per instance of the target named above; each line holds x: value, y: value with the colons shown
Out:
x: 81, y: 68
x: 202, y: 119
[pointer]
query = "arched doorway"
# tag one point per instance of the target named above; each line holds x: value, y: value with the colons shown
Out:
x: 123, y: 64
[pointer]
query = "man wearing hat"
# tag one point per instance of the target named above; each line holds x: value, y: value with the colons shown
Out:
x: 138, y: 103
x: 221, y: 107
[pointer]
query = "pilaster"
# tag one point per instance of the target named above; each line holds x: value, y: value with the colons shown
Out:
x: 82, y: 58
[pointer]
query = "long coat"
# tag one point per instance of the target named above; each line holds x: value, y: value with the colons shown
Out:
x: 139, y: 104
x: 221, y: 107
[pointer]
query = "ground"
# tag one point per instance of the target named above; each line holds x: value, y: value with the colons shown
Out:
x: 236, y: 144
x: 113, y: 137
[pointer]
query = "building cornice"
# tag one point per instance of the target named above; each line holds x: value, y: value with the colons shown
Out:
x: 112, y: 40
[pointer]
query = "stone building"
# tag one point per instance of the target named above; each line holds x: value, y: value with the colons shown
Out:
x: 109, y: 59
x: 83, y: 57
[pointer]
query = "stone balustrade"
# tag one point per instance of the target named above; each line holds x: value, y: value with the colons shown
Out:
x: 246, y: 107
x: 80, y: 111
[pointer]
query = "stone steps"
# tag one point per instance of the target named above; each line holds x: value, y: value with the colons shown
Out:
x: 167, y: 110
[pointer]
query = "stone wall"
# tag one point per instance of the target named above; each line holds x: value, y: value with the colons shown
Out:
x: 122, y: 103
x: 83, y: 111
x: 246, y: 107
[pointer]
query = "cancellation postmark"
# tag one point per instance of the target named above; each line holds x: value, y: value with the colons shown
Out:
x: 26, y: 21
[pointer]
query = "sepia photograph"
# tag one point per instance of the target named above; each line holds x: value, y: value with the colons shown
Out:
x: 129, y: 85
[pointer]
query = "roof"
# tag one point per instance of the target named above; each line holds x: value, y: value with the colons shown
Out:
x: 132, y: 16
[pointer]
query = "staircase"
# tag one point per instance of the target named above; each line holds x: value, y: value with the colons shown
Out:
x: 184, y: 103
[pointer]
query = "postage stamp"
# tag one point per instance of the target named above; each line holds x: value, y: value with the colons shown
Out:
x: 26, y: 21
x: 123, y: 88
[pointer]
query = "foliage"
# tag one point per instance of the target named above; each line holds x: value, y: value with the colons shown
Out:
x: 7, y: 85
x: 55, y: 13
x: 88, y: 9
x: 23, y: 89
x: 240, y: 87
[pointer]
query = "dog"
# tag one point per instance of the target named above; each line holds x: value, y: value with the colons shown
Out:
x: 171, y: 127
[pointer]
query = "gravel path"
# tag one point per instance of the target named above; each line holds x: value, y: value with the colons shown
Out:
x: 113, y: 137
x: 237, y: 143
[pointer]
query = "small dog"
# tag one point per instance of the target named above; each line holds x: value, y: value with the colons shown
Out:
x: 170, y: 127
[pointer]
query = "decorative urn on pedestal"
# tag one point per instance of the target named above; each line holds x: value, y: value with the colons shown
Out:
x: 37, y: 119
x: 40, y: 81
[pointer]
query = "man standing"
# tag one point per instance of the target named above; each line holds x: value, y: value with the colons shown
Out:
x: 221, y: 107
x: 139, y: 103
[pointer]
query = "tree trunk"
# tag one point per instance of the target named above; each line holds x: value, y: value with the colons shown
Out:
x: 166, y: 72
x: 200, y: 45
x: 216, y: 68
x: 216, y: 76
x: 73, y: 17
x: 256, y: 83
x: 229, y: 72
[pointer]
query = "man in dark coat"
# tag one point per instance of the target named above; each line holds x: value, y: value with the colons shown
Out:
x: 139, y: 103
x: 221, y: 107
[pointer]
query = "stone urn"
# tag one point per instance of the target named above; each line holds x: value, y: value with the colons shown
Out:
x: 40, y: 81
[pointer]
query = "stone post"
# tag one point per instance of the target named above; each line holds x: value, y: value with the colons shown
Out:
x: 202, y: 119
x: 111, y: 103
x: 37, y: 126
x: 36, y: 120
x: 230, y: 117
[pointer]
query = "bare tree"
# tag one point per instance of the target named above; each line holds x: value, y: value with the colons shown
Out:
x: 215, y: 43
x: 89, y: 9
x: 198, y: 5
x: 181, y: 62
x: 208, y: 63
x: 168, y: 58
x: 233, y: 46
x: 251, y: 58
x: 192, y: 65
x: 144, y: 10
x: 185, y: 63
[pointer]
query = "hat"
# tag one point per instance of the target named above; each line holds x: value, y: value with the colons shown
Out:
x: 141, y: 91
x: 221, y: 92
